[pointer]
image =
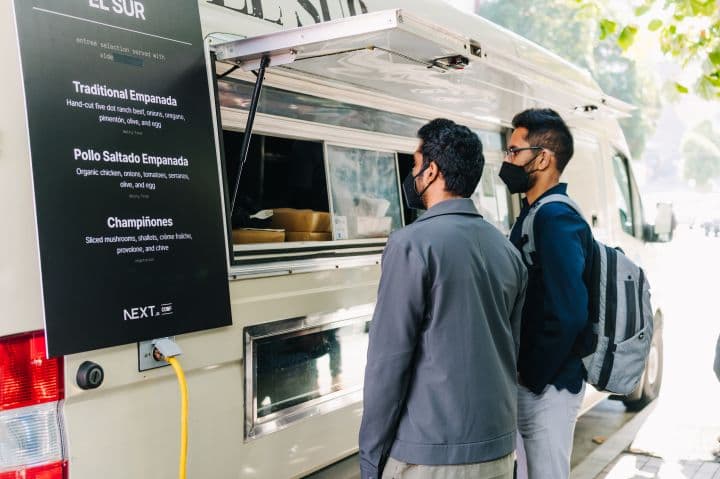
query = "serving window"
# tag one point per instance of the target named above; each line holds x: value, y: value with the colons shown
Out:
x: 283, y: 191
x: 297, y: 196
x: 325, y: 191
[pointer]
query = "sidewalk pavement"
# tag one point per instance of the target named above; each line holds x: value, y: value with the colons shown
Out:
x: 676, y: 438
x: 618, y: 458
x: 639, y: 466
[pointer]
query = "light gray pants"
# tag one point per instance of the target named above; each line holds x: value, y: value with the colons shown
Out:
x: 499, y: 469
x: 546, y: 424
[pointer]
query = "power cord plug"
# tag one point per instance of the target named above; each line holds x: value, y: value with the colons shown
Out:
x: 165, y: 348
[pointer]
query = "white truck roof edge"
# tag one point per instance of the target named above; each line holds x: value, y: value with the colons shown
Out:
x: 496, y: 41
x: 362, y: 32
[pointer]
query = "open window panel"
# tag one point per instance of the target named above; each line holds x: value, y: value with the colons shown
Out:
x: 283, y: 191
x: 301, y: 198
x: 390, y: 52
x: 407, y: 57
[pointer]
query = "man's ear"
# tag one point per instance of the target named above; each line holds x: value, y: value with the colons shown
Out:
x: 547, y: 159
x: 433, y: 170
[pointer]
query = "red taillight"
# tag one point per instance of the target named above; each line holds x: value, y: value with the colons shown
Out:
x: 26, y: 376
x: 31, y: 425
x: 56, y: 470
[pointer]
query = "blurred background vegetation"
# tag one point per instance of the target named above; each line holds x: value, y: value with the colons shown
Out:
x: 567, y: 31
x: 663, y: 57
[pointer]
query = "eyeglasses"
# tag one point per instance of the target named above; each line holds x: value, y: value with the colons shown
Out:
x: 512, y: 152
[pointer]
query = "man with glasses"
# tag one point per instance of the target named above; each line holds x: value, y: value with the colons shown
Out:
x: 550, y: 369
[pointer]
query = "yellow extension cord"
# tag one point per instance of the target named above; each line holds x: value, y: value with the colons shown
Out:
x: 183, y: 414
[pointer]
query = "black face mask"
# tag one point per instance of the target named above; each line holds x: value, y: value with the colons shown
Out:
x: 413, y: 199
x: 515, y: 177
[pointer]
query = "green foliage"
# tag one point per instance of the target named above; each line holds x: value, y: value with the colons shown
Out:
x: 549, y: 23
x: 627, y: 37
x: 654, y: 25
x: 688, y: 32
x: 640, y: 11
x: 607, y: 27
x: 701, y: 152
x: 706, y: 87
x: 567, y: 32
x: 714, y: 57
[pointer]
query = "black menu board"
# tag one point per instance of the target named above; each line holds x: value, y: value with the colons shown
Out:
x: 125, y: 170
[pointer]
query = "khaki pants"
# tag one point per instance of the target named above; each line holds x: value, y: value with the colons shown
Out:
x: 499, y: 469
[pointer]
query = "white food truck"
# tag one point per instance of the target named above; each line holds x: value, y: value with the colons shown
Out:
x: 335, y: 91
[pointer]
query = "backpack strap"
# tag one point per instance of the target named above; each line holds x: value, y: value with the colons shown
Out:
x: 529, y: 250
x: 528, y: 226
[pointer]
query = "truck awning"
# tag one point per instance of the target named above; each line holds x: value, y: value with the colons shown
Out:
x: 398, y: 54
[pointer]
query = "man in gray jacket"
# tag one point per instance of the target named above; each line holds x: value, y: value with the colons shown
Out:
x: 440, y: 381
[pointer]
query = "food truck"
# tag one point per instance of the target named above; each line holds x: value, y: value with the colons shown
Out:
x: 228, y: 178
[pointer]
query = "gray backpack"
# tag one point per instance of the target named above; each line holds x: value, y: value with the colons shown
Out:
x: 620, y: 314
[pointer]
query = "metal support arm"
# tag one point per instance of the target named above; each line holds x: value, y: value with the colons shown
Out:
x: 249, y: 127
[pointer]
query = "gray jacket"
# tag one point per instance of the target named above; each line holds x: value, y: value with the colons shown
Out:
x: 440, y: 381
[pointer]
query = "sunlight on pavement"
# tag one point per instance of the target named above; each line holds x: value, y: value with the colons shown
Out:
x: 678, y: 437
x: 686, y: 421
x: 626, y: 467
x: 640, y: 467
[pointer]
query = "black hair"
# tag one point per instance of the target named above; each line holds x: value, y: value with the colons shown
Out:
x: 457, y: 152
x: 547, y: 129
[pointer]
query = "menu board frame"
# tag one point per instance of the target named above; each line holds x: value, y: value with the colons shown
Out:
x: 129, y: 198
